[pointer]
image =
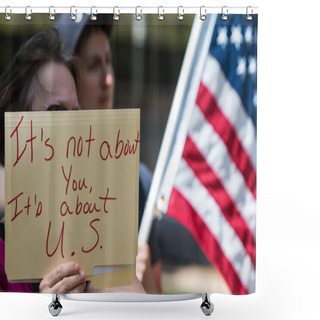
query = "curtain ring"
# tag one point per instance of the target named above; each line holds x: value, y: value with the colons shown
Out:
x: 52, y: 11
x: 138, y: 16
x: 203, y: 13
x: 93, y: 16
x: 116, y: 15
x: 180, y: 13
x: 28, y: 13
x: 224, y: 13
x: 160, y: 15
x: 248, y: 16
x: 73, y: 11
x: 7, y: 10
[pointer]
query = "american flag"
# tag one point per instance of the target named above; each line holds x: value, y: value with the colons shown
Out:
x: 209, y: 178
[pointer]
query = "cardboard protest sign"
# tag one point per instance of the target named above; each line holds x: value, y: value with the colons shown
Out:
x: 71, y: 192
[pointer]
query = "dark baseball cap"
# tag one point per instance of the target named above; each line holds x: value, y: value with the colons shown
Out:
x: 71, y: 30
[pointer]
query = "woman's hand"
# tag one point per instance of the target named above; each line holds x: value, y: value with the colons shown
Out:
x: 149, y: 276
x: 65, y: 278
x: 142, y: 261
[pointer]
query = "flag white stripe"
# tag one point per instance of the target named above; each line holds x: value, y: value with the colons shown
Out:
x: 231, y: 105
x: 199, y: 198
x: 217, y: 156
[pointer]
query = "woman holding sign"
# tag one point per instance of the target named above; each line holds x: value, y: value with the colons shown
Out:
x: 40, y: 78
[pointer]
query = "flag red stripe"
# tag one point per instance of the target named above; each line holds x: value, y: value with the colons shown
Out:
x: 209, y: 106
x: 198, y: 164
x: 181, y: 210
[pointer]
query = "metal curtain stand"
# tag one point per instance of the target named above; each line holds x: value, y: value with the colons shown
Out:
x: 55, y: 306
x: 206, y: 306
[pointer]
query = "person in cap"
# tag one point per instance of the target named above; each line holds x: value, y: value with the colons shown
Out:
x: 89, y: 41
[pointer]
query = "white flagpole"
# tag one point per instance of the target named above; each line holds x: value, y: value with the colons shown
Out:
x: 194, y: 49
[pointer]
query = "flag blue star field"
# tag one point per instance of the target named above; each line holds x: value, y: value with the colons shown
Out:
x: 214, y: 190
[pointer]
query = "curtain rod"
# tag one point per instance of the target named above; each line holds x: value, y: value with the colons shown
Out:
x: 118, y: 10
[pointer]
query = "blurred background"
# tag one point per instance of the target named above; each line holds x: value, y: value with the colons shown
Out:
x: 147, y: 58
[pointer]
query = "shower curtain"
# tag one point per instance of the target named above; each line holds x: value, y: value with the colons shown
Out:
x: 193, y: 80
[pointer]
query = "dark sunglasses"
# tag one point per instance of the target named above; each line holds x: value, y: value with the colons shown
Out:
x: 56, y: 107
